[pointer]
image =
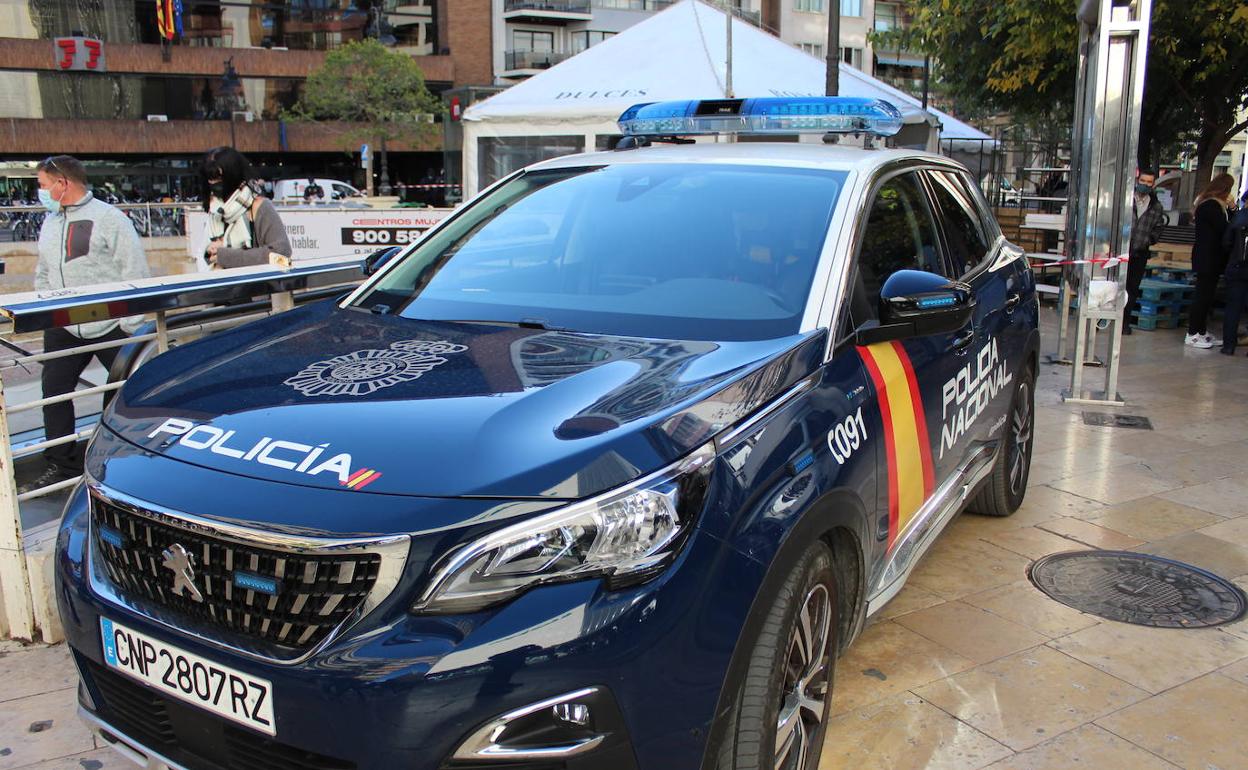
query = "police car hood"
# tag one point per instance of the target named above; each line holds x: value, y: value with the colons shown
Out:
x: 345, y: 400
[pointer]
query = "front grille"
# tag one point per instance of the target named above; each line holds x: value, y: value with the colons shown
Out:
x: 292, y: 600
x: 189, y: 735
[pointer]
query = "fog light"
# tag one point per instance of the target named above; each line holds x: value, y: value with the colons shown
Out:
x: 562, y: 726
x: 572, y: 713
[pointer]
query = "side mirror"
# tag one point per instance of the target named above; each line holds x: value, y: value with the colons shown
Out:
x: 914, y: 303
x: 374, y: 262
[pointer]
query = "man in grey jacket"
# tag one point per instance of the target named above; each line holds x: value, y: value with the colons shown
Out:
x: 83, y: 241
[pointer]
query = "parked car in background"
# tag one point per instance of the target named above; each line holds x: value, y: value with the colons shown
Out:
x: 291, y: 190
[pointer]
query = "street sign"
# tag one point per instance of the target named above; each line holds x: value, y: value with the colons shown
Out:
x: 363, y: 156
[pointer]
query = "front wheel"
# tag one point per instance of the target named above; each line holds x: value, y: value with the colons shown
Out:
x: 781, y: 712
x: 1004, y: 490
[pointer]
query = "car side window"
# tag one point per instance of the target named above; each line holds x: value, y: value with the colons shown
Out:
x: 965, y: 238
x: 900, y: 234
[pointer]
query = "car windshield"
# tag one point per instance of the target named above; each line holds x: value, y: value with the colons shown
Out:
x: 675, y: 251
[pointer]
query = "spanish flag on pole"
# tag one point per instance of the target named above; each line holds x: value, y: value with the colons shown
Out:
x: 165, y: 24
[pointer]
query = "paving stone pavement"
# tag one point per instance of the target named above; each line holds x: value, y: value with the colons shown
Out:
x: 970, y: 666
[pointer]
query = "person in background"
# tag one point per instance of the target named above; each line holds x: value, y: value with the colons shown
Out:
x: 313, y: 193
x: 1235, y: 244
x: 1208, y: 257
x: 83, y: 241
x: 1147, y: 219
x: 243, y: 226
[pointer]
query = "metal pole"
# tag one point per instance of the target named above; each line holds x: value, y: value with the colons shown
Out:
x: 832, y: 81
x: 162, y: 332
x: 19, y: 610
x: 728, y: 63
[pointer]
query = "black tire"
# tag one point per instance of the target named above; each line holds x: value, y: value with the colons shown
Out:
x: 1004, y: 490
x: 778, y: 665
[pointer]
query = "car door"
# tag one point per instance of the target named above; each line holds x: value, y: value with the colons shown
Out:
x: 977, y: 395
x: 900, y: 233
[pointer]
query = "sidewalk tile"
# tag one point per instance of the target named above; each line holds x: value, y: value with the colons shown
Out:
x: 1029, y: 697
x: 1091, y: 534
x: 36, y: 670
x: 1024, y: 603
x: 1087, y: 747
x: 905, y: 733
x: 888, y: 659
x: 1153, y: 659
x: 1152, y: 518
x: 1196, y: 725
x: 65, y: 735
x: 970, y: 631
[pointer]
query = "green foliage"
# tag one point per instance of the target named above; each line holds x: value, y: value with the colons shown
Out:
x: 364, y: 82
x: 1020, y: 56
x: 1014, y: 56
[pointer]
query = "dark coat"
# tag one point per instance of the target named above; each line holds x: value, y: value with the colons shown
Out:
x: 1208, y: 252
x: 1235, y: 243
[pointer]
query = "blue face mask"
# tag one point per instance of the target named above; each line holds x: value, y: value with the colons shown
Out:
x: 45, y: 197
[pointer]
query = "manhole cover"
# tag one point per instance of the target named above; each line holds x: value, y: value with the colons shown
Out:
x: 1139, y: 588
x: 1107, y: 420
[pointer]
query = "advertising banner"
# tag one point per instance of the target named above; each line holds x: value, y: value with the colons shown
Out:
x: 334, y: 232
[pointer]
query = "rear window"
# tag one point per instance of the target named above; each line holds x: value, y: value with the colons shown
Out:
x: 678, y: 251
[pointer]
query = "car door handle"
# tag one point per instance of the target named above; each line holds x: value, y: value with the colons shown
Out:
x: 1012, y: 301
x: 964, y: 340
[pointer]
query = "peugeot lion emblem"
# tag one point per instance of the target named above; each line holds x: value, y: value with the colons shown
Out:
x: 178, y: 561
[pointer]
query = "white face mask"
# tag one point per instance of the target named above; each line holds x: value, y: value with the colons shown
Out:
x: 49, y: 203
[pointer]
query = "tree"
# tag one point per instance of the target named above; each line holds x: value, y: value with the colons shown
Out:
x: 1020, y: 56
x: 384, y: 91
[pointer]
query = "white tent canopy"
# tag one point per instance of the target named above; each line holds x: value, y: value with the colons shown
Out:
x: 679, y: 53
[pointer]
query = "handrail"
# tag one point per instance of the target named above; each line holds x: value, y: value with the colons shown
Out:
x: 34, y: 311
x: 39, y: 310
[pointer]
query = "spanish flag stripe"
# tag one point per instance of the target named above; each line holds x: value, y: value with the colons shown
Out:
x: 909, y: 455
x: 920, y: 419
x: 360, y: 480
x: 368, y: 480
x: 356, y: 475
x: 890, y: 448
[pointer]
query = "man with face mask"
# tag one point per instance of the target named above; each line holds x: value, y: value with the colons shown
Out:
x: 83, y: 241
x: 1147, y: 220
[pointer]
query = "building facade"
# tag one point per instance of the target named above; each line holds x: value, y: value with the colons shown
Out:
x: 533, y: 35
x: 150, y: 107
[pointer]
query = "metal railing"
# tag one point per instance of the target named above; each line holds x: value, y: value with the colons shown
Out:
x: 159, y: 298
x: 534, y: 60
x: 151, y: 220
x: 557, y: 6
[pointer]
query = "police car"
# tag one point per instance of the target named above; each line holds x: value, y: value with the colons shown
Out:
x: 603, y: 473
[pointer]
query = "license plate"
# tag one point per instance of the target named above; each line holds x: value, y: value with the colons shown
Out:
x: 220, y: 689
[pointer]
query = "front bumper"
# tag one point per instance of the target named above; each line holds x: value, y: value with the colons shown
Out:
x: 405, y: 691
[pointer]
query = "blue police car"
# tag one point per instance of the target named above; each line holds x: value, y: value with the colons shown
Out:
x: 603, y: 473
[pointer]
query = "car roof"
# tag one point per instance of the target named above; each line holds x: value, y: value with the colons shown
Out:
x: 791, y: 154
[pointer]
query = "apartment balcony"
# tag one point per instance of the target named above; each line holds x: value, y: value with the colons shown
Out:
x: 525, y: 63
x: 548, y: 11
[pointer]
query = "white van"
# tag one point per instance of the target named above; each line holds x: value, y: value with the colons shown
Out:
x: 291, y: 190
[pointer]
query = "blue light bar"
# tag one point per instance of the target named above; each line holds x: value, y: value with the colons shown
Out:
x: 771, y: 115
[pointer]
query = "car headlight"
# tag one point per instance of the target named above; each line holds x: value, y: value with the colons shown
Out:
x: 627, y: 535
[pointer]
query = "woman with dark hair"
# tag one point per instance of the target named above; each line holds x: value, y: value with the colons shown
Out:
x: 1208, y: 257
x: 244, y: 227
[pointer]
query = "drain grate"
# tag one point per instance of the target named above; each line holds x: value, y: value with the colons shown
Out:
x: 1139, y: 588
x: 1108, y: 420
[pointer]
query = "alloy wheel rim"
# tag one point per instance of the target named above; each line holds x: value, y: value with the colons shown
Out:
x: 805, y: 681
x: 1020, y: 438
